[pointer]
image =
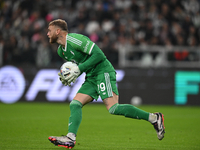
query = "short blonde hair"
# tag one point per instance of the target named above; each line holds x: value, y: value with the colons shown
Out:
x: 62, y: 24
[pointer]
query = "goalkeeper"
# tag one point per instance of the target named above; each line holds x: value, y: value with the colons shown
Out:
x: 100, y: 81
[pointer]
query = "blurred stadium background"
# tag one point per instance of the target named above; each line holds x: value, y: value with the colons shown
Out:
x: 154, y: 45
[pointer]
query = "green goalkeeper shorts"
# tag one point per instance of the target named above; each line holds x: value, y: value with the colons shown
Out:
x: 101, y: 85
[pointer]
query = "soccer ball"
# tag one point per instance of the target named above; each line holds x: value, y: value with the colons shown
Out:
x: 65, y: 69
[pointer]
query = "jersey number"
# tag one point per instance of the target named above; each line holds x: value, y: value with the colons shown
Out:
x: 101, y: 87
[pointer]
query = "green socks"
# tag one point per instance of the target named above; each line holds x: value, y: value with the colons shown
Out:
x: 75, y: 117
x: 126, y: 110
x: 129, y: 111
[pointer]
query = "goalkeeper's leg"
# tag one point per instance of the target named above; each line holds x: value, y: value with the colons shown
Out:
x: 130, y: 111
x: 75, y: 118
x: 126, y: 110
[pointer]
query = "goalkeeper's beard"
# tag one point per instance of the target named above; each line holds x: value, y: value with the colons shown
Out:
x: 53, y: 39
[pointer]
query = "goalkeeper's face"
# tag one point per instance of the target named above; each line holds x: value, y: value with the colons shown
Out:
x: 52, y: 34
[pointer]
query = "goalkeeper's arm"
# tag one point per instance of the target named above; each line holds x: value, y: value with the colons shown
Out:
x: 96, y: 56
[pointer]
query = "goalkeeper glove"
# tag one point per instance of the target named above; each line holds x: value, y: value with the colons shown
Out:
x: 62, y: 79
x: 74, y: 73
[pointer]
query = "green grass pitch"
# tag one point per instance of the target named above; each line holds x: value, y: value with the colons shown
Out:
x: 26, y: 126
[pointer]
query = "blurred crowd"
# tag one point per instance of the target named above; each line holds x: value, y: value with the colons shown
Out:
x: 111, y: 24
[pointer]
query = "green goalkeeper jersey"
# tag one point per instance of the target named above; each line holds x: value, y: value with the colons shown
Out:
x: 89, y: 57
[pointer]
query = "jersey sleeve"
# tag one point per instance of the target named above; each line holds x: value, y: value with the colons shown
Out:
x: 85, y: 45
x: 96, y: 57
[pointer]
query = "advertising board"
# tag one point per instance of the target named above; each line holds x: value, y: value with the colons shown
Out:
x: 136, y: 86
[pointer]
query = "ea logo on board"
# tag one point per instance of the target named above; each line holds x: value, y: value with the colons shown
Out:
x: 12, y: 84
